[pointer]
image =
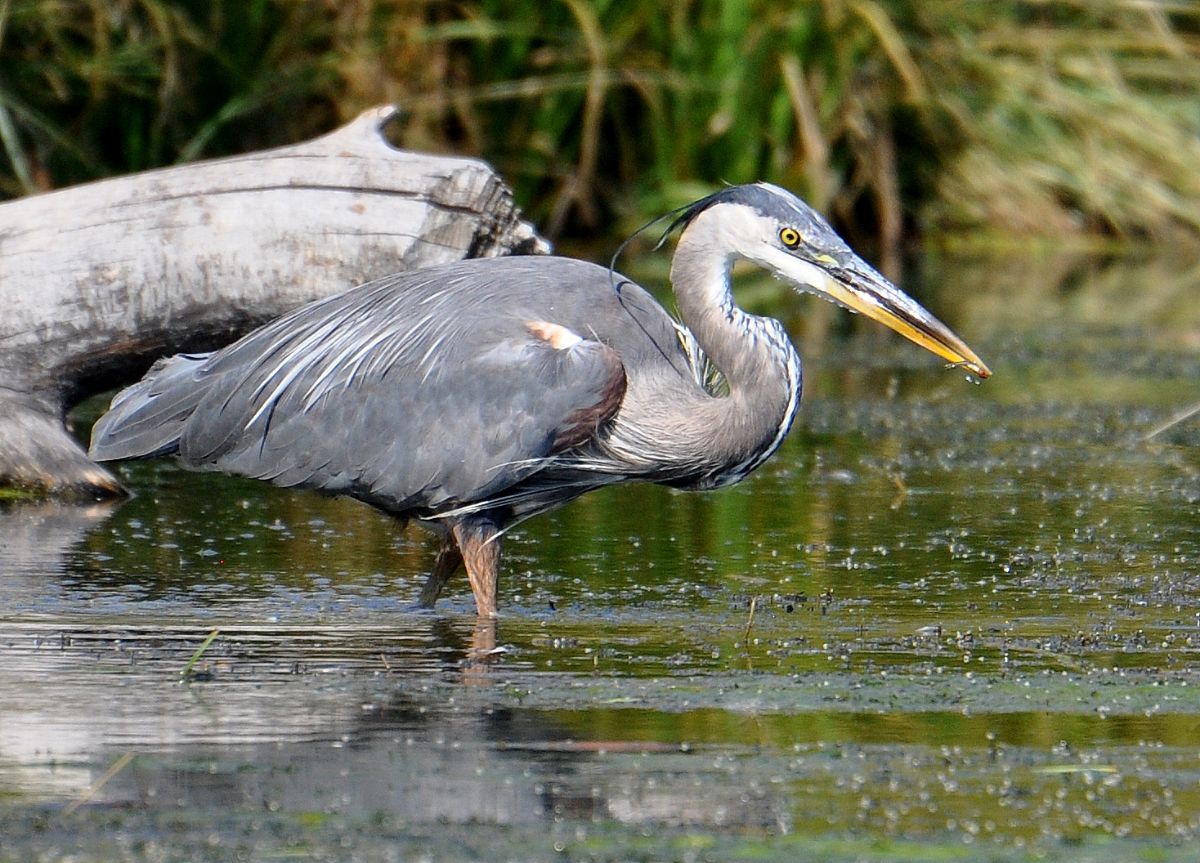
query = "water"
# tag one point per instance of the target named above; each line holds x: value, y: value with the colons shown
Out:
x: 944, y: 618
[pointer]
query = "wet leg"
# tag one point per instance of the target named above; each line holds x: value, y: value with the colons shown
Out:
x: 479, y: 542
x: 448, y: 561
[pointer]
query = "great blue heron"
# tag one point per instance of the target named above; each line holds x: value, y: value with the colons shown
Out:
x: 474, y: 395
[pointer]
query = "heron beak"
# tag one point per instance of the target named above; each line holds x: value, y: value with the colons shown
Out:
x: 860, y: 288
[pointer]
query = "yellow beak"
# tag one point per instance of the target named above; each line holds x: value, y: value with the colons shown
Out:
x: 861, y: 289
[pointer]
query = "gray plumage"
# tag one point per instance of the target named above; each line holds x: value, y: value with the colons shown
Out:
x: 473, y: 395
x: 419, y: 393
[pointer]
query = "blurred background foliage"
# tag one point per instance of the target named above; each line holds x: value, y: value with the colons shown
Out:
x: 1051, y: 118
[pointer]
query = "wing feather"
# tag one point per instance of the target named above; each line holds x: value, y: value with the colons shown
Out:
x: 421, y: 391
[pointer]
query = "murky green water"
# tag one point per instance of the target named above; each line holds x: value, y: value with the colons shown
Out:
x: 945, y: 622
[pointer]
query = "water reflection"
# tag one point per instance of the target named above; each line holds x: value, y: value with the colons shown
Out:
x: 35, y: 536
x: 938, y: 604
x: 380, y: 725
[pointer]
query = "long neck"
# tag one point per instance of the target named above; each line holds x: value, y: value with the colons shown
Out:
x: 754, y: 354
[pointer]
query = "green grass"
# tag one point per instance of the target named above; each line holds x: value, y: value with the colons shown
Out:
x: 1030, y: 117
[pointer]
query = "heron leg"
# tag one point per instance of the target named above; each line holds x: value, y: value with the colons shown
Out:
x: 448, y: 561
x: 479, y: 542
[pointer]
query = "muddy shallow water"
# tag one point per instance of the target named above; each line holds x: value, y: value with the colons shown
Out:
x: 946, y: 622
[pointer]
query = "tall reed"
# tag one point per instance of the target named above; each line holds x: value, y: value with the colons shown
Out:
x: 1051, y: 117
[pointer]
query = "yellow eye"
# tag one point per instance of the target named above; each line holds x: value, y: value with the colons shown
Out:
x: 790, y: 237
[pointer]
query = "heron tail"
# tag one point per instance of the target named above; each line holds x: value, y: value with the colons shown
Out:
x: 146, y: 419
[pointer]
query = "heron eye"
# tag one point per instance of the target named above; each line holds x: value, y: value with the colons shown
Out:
x: 790, y: 237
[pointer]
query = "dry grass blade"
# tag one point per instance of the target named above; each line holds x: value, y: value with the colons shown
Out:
x: 813, y: 144
x: 1181, y: 416
x: 108, y: 775
x: 186, y: 674
x: 892, y: 42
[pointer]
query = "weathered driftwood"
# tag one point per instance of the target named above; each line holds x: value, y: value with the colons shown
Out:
x: 97, y: 281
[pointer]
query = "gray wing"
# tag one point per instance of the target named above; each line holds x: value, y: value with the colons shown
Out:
x: 417, y: 392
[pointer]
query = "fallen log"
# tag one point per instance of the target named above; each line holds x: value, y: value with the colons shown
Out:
x: 97, y: 281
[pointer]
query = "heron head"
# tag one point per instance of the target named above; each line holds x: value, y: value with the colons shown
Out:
x: 771, y: 227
